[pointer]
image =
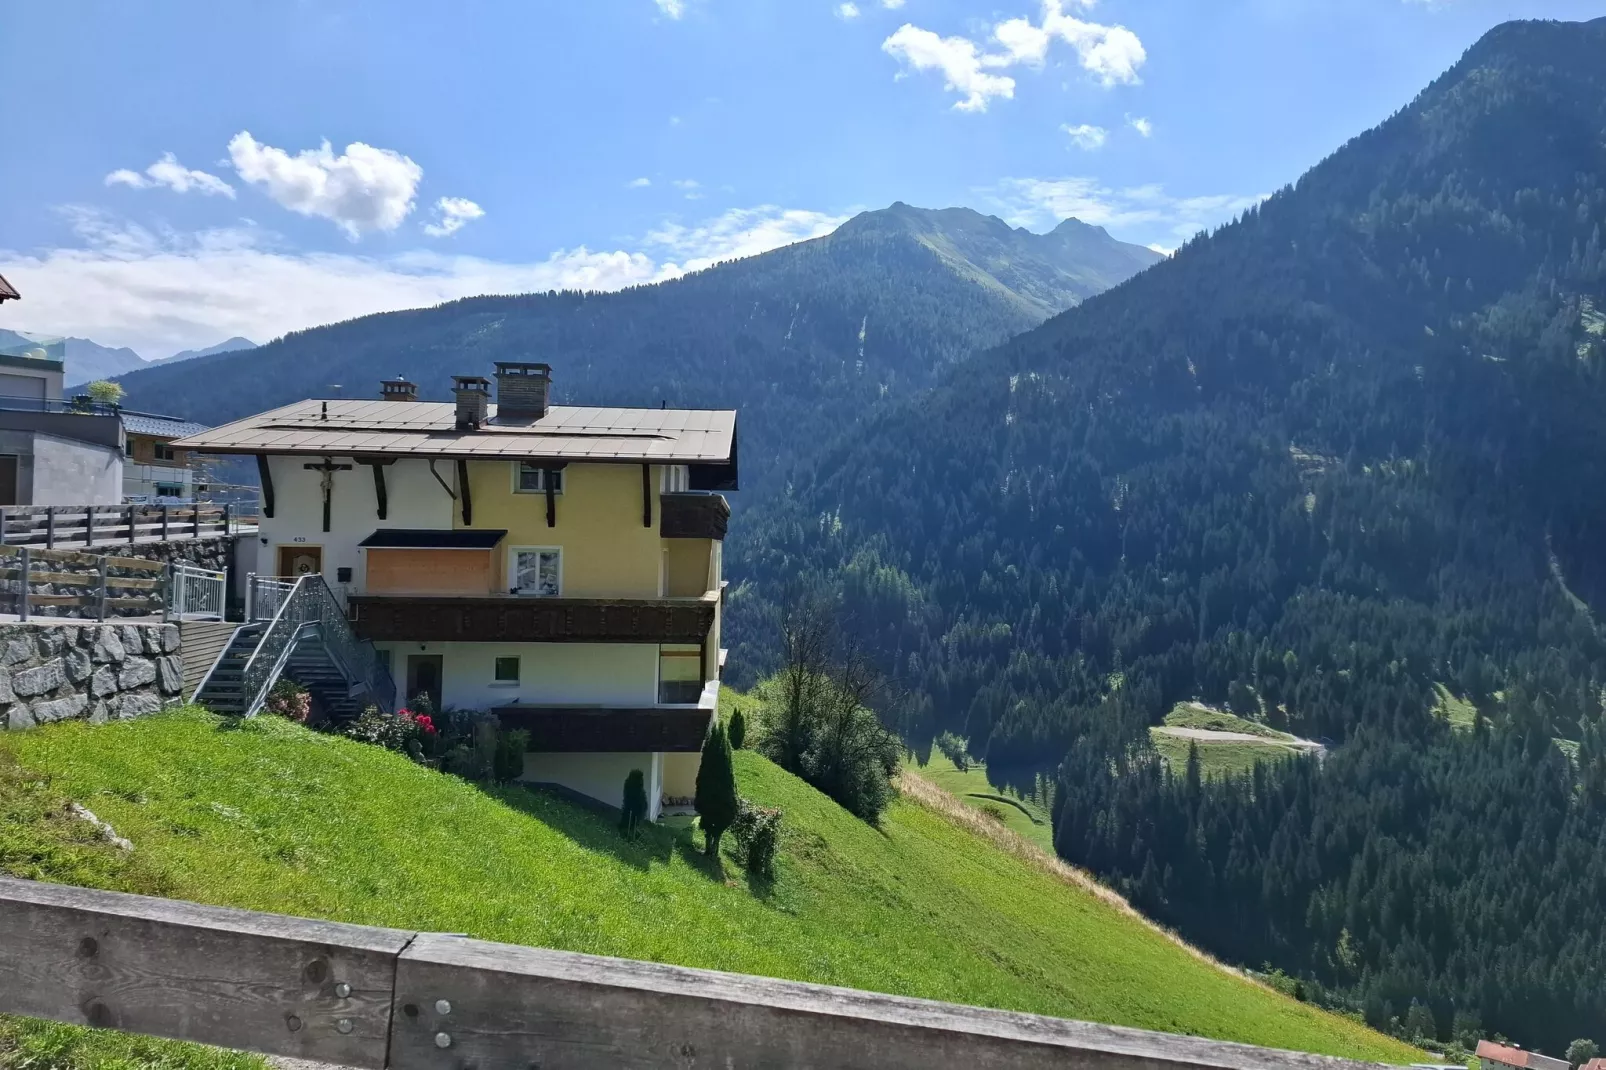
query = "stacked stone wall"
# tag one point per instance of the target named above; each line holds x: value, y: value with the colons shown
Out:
x: 63, y: 670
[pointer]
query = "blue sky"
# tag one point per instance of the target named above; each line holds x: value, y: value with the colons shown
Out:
x: 167, y: 184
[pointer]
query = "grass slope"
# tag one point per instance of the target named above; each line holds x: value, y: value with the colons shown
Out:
x: 1025, y: 817
x: 272, y: 817
x: 1224, y: 756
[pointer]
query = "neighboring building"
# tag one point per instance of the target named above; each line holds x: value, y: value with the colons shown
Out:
x: 1492, y: 1056
x: 8, y: 292
x: 153, y: 470
x: 53, y: 452
x: 558, y: 565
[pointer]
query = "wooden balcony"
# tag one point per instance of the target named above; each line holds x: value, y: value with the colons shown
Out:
x: 516, y: 619
x: 693, y: 516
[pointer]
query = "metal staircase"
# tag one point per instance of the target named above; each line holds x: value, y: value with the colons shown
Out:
x: 296, y: 631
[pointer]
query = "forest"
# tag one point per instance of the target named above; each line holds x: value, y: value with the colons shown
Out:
x: 1334, y: 460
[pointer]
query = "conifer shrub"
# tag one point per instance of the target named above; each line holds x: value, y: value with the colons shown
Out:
x: 716, y: 789
x: 507, y: 761
x: 635, y: 804
x: 757, y: 831
x: 738, y: 730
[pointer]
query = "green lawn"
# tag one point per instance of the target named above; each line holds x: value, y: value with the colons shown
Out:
x: 1026, y: 817
x: 1453, y: 708
x: 1194, y: 715
x: 273, y: 817
x: 1217, y: 758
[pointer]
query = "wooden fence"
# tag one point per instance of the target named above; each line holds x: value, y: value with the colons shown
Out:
x: 51, y: 526
x: 368, y: 997
x: 64, y: 583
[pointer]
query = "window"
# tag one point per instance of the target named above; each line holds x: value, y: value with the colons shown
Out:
x: 164, y: 452
x: 507, y: 670
x: 680, y: 674
x: 537, y: 571
x: 530, y: 478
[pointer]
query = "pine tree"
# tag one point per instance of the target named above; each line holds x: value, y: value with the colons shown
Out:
x: 716, y: 789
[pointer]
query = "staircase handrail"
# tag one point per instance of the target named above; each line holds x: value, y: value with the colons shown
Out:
x: 311, y: 603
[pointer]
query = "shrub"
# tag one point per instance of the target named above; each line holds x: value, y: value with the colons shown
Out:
x: 738, y: 730
x: 955, y: 749
x: 757, y: 831
x: 290, y: 700
x: 507, y: 761
x: 994, y: 812
x: 716, y: 789
x: 1581, y: 1051
x: 105, y: 392
x: 379, y: 728
x: 635, y: 804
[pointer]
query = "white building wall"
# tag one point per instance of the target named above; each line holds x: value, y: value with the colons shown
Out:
x: 601, y: 776
x: 550, y: 674
x: 414, y: 498
x: 69, y: 472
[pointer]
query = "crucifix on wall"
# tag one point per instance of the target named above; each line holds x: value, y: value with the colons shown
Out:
x: 328, y: 468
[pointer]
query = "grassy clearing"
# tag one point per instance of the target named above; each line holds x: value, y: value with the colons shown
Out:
x: 1453, y: 708
x: 1195, y: 715
x: 1218, y: 758
x: 1025, y: 817
x: 270, y: 816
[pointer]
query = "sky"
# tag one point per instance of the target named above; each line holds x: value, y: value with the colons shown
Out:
x: 181, y: 171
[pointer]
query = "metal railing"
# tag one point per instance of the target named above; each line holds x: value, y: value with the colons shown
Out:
x: 304, y: 610
x: 197, y: 593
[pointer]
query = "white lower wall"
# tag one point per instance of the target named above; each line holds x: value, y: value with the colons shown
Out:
x: 550, y: 674
x: 601, y: 776
x: 680, y: 774
x: 68, y: 472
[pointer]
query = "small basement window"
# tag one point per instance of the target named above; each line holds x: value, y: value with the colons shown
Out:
x: 507, y: 670
x: 530, y: 478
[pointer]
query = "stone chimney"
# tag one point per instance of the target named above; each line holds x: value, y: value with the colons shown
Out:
x: 473, y: 400
x: 397, y: 389
x: 522, y: 390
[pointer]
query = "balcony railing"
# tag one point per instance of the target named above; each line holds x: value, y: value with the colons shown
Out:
x: 693, y: 515
x: 521, y: 619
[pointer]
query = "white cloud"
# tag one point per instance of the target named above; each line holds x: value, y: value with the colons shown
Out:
x: 1087, y: 136
x: 1163, y: 250
x: 673, y: 8
x: 1112, y: 54
x: 690, y: 187
x: 892, y: 5
x: 1142, y: 126
x: 364, y: 189
x: 453, y: 214
x: 847, y: 11
x: 1026, y: 202
x: 959, y: 60
x: 737, y: 233
x: 159, y: 293
x: 168, y: 172
x: 639, y: 183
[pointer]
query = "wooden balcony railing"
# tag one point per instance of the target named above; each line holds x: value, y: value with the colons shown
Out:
x: 375, y: 998
x: 693, y: 516
x: 516, y: 619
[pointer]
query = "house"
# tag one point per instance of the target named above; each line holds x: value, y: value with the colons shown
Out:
x: 8, y: 292
x: 1594, y: 1064
x: 1492, y: 1056
x: 54, y: 452
x: 558, y: 565
x: 153, y: 471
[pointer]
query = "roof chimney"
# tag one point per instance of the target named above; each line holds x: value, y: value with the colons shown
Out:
x: 473, y: 398
x: 397, y: 389
x: 522, y: 390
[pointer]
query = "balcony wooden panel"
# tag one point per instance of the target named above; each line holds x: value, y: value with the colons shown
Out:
x: 512, y: 619
x: 693, y: 516
x: 611, y: 730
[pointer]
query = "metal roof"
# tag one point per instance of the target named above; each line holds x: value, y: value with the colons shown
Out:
x: 433, y: 539
x: 429, y: 429
x: 1506, y: 1055
x: 144, y: 423
x: 8, y: 292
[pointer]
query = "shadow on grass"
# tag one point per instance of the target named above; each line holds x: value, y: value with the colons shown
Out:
x: 589, y: 823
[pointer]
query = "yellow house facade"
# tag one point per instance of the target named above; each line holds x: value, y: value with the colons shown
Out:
x: 560, y: 567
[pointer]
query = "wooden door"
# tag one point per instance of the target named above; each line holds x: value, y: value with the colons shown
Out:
x: 298, y: 561
x: 424, y: 678
x: 8, y: 479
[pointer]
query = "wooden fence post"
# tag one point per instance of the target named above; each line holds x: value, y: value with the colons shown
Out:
x: 131, y: 509
x: 100, y: 609
x: 50, y: 527
x: 164, y: 521
x: 22, y: 586
x: 195, y: 520
x: 89, y: 525
x: 2, y: 525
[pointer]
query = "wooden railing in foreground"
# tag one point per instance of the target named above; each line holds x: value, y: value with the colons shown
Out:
x: 368, y: 997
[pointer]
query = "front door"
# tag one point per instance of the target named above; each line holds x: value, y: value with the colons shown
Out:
x: 298, y: 561
x: 8, y: 479
x: 424, y: 678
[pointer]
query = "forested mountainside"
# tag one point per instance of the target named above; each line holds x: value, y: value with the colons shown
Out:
x: 802, y: 339
x: 1343, y: 450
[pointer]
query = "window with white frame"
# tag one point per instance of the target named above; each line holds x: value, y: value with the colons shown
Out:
x: 675, y: 480
x: 530, y: 478
x: 536, y: 571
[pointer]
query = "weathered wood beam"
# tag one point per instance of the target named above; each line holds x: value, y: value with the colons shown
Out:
x: 381, y: 502
x: 369, y: 997
x: 646, y: 495
x: 266, y: 477
x: 462, y: 490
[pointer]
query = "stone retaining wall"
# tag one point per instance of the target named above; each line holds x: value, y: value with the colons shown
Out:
x: 63, y: 670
